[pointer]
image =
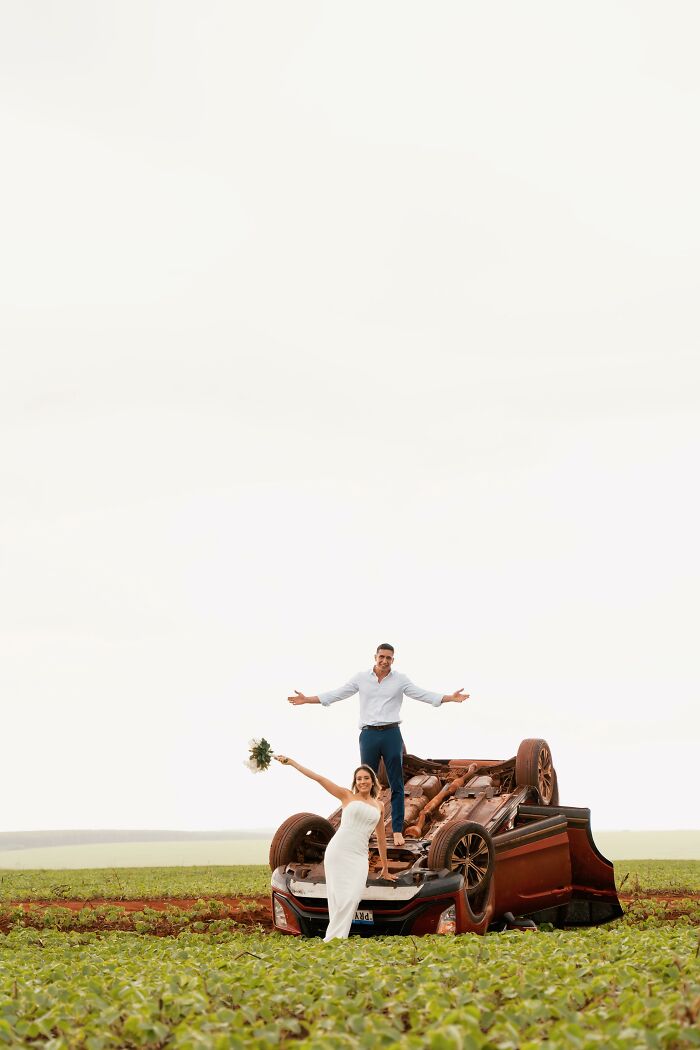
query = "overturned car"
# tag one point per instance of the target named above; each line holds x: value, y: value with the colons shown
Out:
x: 487, y: 847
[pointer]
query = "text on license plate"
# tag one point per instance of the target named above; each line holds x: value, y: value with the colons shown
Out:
x: 364, y: 916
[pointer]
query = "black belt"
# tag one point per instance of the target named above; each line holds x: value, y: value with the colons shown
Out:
x: 389, y: 725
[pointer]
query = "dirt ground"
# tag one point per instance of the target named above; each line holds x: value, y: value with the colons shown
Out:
x: 254, y: 911
x: 248, y: 911
x: 667, y: 898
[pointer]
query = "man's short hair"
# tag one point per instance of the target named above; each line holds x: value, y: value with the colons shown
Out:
x: 385, y: 645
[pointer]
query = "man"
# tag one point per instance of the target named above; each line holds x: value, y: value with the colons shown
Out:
x: 381, y: 695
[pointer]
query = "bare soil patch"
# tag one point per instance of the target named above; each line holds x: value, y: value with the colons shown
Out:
x: 677, y: 904
x: 246, y: 911
x: 665, y: 896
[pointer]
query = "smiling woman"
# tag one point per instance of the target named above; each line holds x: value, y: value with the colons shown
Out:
x: 346, y: 857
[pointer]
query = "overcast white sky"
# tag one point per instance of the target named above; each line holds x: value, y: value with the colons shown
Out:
x: 328, y: 324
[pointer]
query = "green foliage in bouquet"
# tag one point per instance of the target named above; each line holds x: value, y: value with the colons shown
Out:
x: 260, y: 755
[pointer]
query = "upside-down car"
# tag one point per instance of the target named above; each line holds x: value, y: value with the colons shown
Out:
x: 487, y: 847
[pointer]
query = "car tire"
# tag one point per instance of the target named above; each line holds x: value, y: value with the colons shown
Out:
x: 302, y: 839
x: 534, y: 769
x: 466, y: 847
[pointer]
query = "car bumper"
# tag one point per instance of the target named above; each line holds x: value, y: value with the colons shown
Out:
x: 438, y: 905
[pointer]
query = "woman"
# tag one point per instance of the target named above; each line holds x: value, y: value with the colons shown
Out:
x: 346, y: 860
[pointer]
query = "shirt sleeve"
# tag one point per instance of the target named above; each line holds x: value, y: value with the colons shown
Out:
x: 333, y: 695
x: 424, y: 695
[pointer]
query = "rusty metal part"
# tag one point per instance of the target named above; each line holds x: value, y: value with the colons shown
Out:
x: 445, y: 767
x: 427, y: 784
x: 414, y: 806
x: 415, y: 830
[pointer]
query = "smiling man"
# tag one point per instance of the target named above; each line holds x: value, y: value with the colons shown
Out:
x: 381, y: 694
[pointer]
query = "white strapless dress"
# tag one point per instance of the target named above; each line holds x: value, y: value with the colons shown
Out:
x: 346, y: 864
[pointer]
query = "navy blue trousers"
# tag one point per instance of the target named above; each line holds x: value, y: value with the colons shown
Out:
x: 386, y: 744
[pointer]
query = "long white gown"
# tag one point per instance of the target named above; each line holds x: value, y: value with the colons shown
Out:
x: 346, y: 863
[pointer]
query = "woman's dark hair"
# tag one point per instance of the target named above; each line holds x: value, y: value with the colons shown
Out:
x: 375, y: 789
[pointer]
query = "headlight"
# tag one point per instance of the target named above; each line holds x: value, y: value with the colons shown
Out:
x: 447, y: 923
x: 284, y: 917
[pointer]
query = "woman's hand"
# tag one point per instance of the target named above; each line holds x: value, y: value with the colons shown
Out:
x: 284, y: 760
x: 386, y: 874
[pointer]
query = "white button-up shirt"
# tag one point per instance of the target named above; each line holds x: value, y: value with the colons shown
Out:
x: 380, y: 702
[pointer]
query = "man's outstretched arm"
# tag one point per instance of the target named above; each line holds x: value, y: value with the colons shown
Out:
x: 349, y: 689
x: 427, y: 697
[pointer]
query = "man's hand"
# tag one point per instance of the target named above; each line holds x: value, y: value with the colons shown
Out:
x: 299, y: 698
x: 456, y: 697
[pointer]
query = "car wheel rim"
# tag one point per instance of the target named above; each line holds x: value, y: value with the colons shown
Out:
x: 471, y: 857
x: 545, y: 774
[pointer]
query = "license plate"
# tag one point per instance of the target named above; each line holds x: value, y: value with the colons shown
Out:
x: 364, y: 916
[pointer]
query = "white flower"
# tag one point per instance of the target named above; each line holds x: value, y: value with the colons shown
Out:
x: 252, y: 765
x: 253, y: 743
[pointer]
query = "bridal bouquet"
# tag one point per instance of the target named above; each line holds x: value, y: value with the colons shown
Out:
x: 260, y: 755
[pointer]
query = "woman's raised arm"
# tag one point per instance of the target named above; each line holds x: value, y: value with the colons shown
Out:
x: 333, y: 789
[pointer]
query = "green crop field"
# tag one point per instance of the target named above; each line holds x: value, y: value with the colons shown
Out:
x: 199, y: 979
x: 672, y: 876
x: 633, y: 876
x: 612, y: 987
x: 135, y: 883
